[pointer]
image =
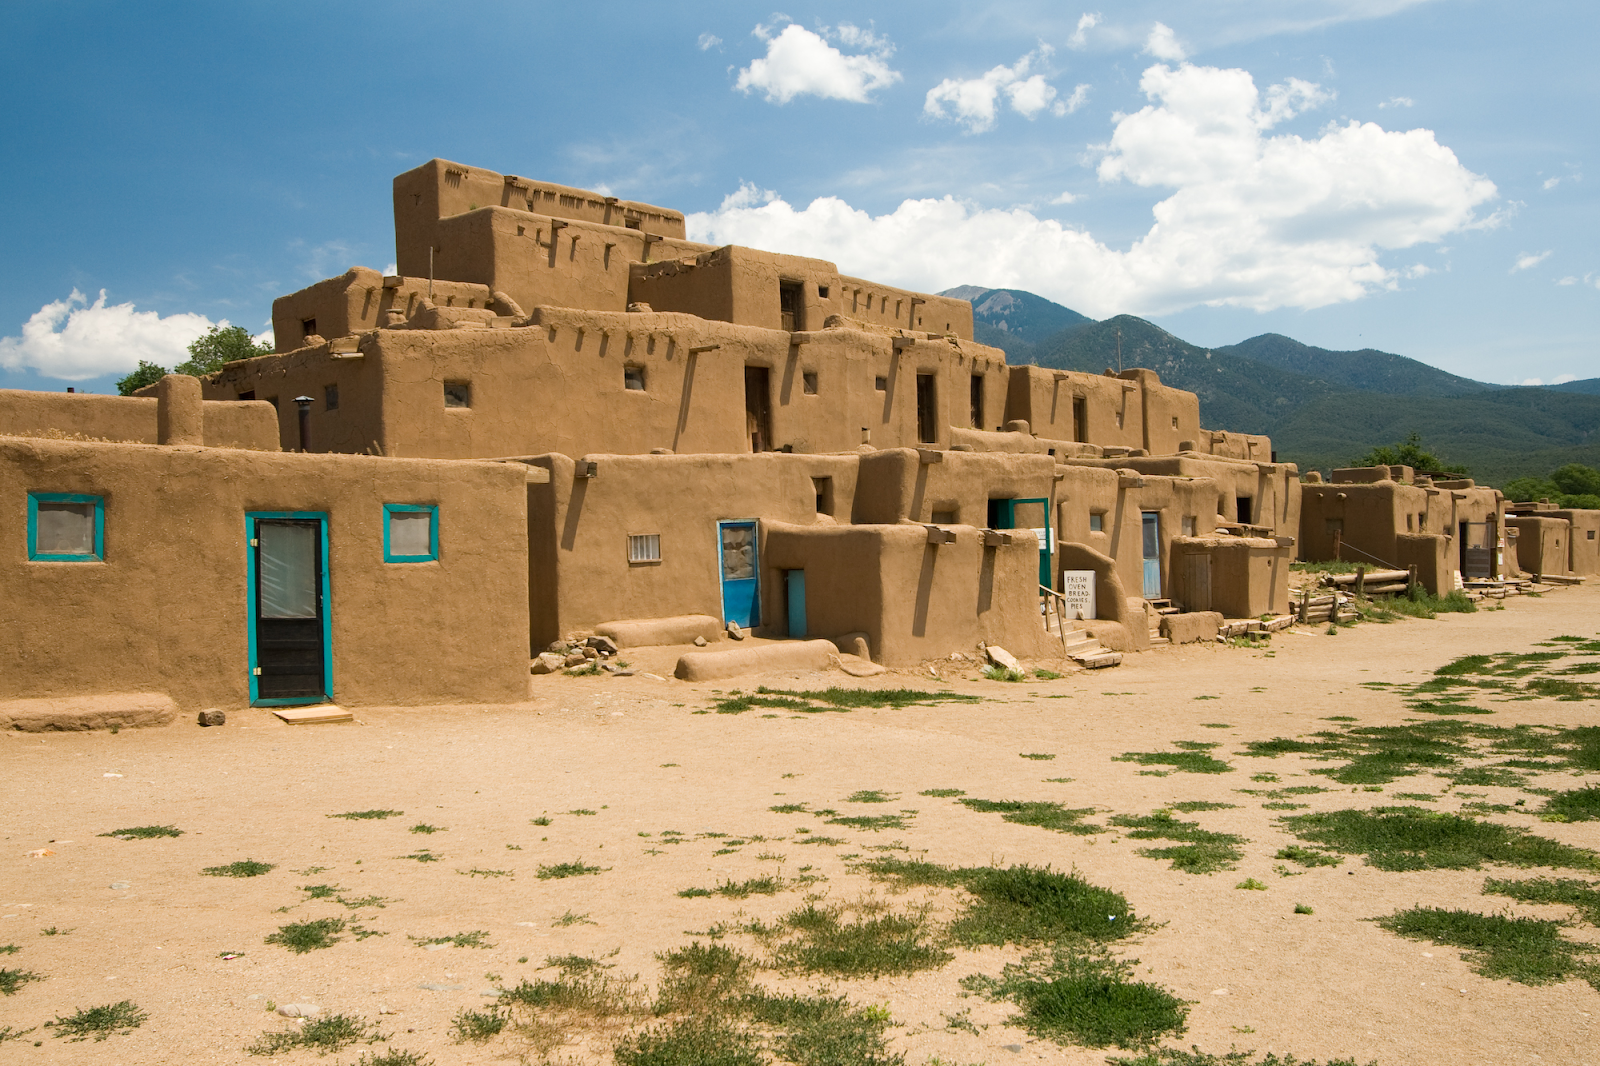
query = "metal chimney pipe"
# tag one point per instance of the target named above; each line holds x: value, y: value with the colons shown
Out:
x: 304, y: 403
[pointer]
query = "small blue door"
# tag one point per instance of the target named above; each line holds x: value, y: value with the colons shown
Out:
x: 795, y: 587
x: 737, y: 544
x: 1152, y: 554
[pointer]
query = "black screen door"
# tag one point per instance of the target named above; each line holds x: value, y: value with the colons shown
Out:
x: 290, y: 650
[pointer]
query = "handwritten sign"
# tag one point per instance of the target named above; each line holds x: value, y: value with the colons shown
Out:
x: 1077, y: 589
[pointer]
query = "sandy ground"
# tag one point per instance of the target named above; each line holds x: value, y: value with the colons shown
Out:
x: 136, y: 920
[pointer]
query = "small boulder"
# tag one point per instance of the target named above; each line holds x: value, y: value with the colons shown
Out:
x: 577, y: 658
x: 1002, y: 658
x: 603, y: 645
x: 299, y: 1010
x: 700, y: 642
x: 734, y: 632
x: 548, y: 662
x: 560, y: 647
x: 591, y: 653
x: 213, y: 717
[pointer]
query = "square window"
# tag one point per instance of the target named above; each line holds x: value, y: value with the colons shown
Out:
x: 1097, y: 522
x: 458, y: 394
x: 881, y: 384
x: 943, y: 518
x: 330, y: 397
x: 1591, y: 534
x: 808, y: 382
x: 1189, y: 523
x: 308, y: 327
x: 410, y: 533
x: 644, y: 547
x: 822, y: 292
x: 66, y: 527
x: 633, y: 378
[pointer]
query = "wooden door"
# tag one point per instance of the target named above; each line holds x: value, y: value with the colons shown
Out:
x: 288, y: 609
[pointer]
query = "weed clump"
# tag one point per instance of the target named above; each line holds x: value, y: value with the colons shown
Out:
x: 100, y: 1022
x: 1195, y: 851
x: 1529, y: 951
x: 145, y: 832
x: 333, y: 1032
x: 301, y: 937
x: 813, y: 939
x: 12, y: 981
x: 478, y: 938
x: 1578, y: 805
x: 1041, y: 813
x: 1194, y: 760
x: 242, y: 868
x: 1415, y: 838
x: 1584, y: 896
x: 1088, y: 998
x: 367, y: 815
x: 577, y: 868
x: 478, y: 1026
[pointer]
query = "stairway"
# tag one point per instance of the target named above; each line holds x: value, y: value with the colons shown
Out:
x: 1088, y: 653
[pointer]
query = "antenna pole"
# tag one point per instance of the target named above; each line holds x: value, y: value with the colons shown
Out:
x: 1119, y: 349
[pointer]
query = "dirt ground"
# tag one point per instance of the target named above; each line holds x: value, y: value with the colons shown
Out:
x: 136, y: 919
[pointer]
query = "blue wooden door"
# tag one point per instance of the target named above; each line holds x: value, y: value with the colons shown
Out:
x: 795, y: 587
x: 1003, y: 515
x: 736, y: 541
x: 1152, y: 554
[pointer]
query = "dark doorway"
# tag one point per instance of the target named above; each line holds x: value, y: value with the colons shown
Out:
x: 1080, y: 419
x: 758, y: 407
x: 1477, y: 555
x: 977, y: 401
x: 1242, y: 505
x: 288, y: 609
x: 791, y: 304
x: 927, y: 413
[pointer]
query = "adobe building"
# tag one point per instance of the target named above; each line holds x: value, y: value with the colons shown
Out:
x: 562, y: 417
x: 1553, y: 541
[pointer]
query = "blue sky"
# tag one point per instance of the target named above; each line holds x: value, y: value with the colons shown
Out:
x: 1411, y: 176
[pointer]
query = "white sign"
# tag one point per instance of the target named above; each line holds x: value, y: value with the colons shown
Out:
x: 1077, y: 591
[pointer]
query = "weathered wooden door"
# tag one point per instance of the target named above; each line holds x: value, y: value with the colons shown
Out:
x: 736, y: 542
x: 1150, y: 542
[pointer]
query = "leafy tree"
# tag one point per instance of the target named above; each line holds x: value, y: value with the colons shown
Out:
x: 1572, y: 486
x: 1409, y: 452
x: 147, y: 374
x: 220, y: 345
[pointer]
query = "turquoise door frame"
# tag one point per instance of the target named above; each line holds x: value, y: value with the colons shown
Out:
x: 795, y: 588
x: 251, y: 518
x: 1150, y: 543
x: 1003, y: 515
x: 740, y: 569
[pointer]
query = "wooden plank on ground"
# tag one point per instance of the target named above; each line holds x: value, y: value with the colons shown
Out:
x: 326, y: 712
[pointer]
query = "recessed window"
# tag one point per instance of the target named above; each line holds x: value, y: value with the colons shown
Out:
x: 458, y: 394
x: 1591, y: 534
x: 644, y: 547
x: 943, y: 518
x: 1097, y: 521
x: 823, y: 486
x: 1408, y: 523
x: 330, y: 397
x: 66, y: 527
x: 631, y: 223
x: 249, y: 394
x: 1188, y: 525
x: 1174, y: 421
x: 633, y: 378
x: 410, y: 532
x: 808, y: 382
x: 822, y: 292
x: 881, y: 384
x: 308, y: 326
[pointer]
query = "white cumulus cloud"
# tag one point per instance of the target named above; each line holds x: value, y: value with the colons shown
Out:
x: 708, y: 41
x: 1252, y: 217
x: 1163, y: 44
x: 799, y: 62
x: 974, y: 102
x: 1086, y: 22
x: 1397, y: 101
x: 1079, y: 97
x: 1529, y: 260
x: 1065, y: 198
x: 1550, y: 183
x: 74, y: 339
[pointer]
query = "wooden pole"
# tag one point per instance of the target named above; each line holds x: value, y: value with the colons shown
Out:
x: 1361, y: 580
x: 1338, y: 537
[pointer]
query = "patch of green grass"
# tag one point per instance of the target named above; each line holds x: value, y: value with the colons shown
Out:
x: 9, y: 1033
x: 583, y: 812
x: 1481, y: 776
x: 1189, y: 762
x: 1571, y: 892
x: 711, y: 1041
x: 1215, y: 725
x: 541, y: 820
x: 1252, y: 885
x: 1048, y: 675
x: 1415, y: 838
x: 576, y: 868
x: 1041, y: 756
x: 1577, y: 805
x: 825, y: 841
x: 333, y: 1032
x: 99, y: 1022
x: 789, y: 808
x: 1190, y: 806
x: 1423, y: 797
x: 12, y: 981
x: 478, y: 938
x: 424, y: 827
x: 145, y: 832
x: 870, y: 795
x: 476, y: 872
x: 367, y: 815
x: 360, y: 902
x: 422, y: 856
x: 1042, y: 813
x: 1167, y: 1056
x: 320, y: 891
x: 814, y: 939
x: 1087, y: 998
x: 1283, y: 805
x: 943, y: 793
x: 242, y: 868
x: 1308, y: 856
x: 871, y: 697
x: 478, y: 1026
x: 9, y: 949
x: 394, y: 1057
x: 569, y: 919
x: 301, y: 937
x: 1195, y: 851
x: 1529, y: 951
x: 875, y: 822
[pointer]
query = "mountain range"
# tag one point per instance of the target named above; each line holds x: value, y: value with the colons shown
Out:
x: 1322, y: 408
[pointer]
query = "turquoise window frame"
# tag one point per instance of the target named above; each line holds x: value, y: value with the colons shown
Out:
x: 36, y: 498
x: 250, y: 519
x: 433, y: 531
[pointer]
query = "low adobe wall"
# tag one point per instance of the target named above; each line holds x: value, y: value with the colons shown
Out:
x: 1242, y: 577
x: 130, y: 419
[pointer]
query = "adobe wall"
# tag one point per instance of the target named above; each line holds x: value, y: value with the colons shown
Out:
x: 439, y: 189
x: 1583, y: 557
x: 1044, y: 399
x: 1272, y: 489
x: 1543, y: 544
x: 130, y: 419
x: 360, y: 300
x: 166, y: 610
x: 928, y: 600
x: 580, y: 575
x: 1252, y: 446
x: 1430, y: 554
x: 1242, y: 577
x: 355, y: 426
x: 882, y: 305
x: 896, y: 486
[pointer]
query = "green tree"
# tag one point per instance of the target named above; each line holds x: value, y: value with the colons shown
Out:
x: 147, y: 374
x: 1572, y: 486
x: 1409, y: 452
x: 220, y: 345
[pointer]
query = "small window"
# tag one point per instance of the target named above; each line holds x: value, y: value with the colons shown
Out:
x: 943, y: 518
x: 1422, y: 520
x: 308, y: 326
x: 1188, y: 525
x: 822, y: 292
x: 410, y: 533
x: 881, y: 384
x: 633, y: 378
x: 249, y: 394
x: 66, y: 527
x: 330, y: 397
x: 808, y: 382
x: 458, y: 394
x: 823, y: 486
x: 631, y: 223
x: 1590, y: 534
x: 1097, y: 521
x: 1174, y: 421
x: 644, y: 547
x: 1408, y: 523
